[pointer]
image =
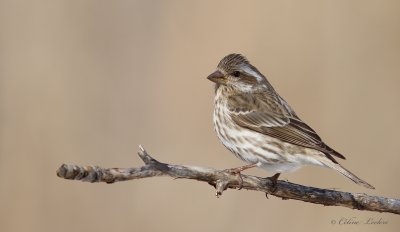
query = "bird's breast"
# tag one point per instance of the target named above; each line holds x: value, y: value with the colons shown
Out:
x: 254, y: 147
x: 246, y: 144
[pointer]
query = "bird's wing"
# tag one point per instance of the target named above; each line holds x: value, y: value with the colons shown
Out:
x: 254, y: 111
x: 268, y: 115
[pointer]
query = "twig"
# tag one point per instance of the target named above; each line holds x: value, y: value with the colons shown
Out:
x: 223, y: 180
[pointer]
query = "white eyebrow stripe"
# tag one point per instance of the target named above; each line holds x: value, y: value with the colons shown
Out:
x: 252, y: 73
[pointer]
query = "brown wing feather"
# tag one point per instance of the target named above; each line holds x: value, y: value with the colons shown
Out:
x: 270, y: 115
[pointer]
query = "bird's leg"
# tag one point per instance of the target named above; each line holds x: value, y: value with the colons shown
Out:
x: 240, y: 169
x: 236, y: 171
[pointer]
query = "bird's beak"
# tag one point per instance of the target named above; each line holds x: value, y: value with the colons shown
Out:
x: 217, y: 77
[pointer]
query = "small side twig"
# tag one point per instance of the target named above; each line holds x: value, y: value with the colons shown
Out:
x: 223, y: 180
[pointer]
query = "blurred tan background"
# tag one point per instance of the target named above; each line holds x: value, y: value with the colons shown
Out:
x: 85, y: 82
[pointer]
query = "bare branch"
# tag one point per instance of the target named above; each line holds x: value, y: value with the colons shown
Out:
x: 223, y: 180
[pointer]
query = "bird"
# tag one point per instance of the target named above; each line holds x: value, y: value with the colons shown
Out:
x: 259, y: 127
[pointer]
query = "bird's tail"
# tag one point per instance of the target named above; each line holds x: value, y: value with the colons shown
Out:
x: 345, y: 172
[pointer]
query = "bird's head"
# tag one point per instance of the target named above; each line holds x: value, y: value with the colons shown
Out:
x: 235, y: 71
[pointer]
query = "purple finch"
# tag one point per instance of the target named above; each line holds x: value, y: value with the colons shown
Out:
x: 259, y: 126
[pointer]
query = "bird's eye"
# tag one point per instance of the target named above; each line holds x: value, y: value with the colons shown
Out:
x: 236, y: 74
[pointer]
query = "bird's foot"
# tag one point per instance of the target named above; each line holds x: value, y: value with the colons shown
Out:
x: 237, y: 171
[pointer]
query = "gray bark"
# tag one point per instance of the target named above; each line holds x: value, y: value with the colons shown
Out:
x: 222, y: 180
